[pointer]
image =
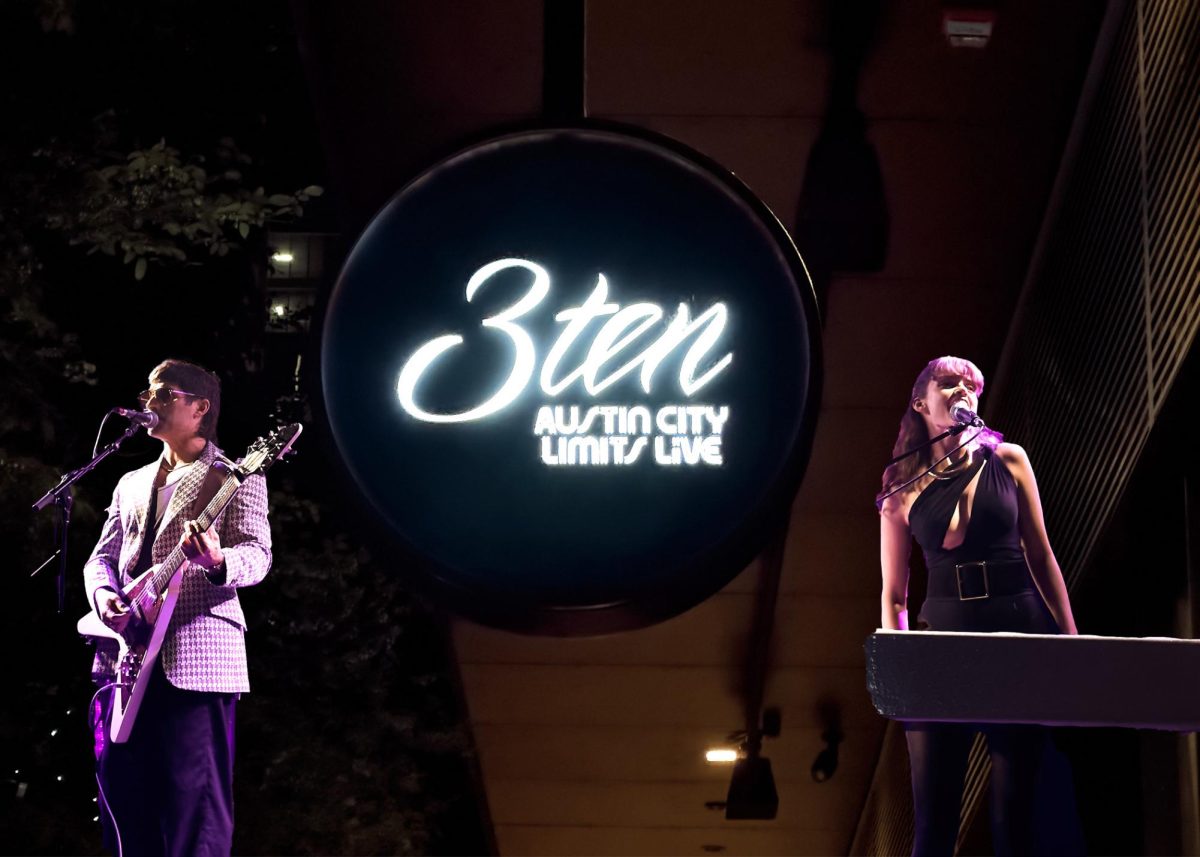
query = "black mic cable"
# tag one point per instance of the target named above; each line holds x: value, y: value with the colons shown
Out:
x: 956, y: 430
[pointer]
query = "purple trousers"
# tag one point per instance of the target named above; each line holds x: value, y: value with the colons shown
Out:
x: 168, y: 791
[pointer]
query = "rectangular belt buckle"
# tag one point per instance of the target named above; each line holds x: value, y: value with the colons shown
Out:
x: 958, y: 578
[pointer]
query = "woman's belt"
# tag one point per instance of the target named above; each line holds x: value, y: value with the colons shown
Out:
x: 972, y: 581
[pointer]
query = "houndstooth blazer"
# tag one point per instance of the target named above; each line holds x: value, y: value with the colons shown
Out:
x: 205, y: 647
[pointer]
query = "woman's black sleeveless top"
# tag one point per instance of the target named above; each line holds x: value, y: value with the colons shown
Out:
x: 992, y: 532
x: 992, y: 535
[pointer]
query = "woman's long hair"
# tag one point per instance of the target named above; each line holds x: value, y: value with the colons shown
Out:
x: 912, y: 425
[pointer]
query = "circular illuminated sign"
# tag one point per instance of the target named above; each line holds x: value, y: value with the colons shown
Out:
x: 575, y: 372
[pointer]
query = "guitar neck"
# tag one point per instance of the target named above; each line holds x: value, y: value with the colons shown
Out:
x: 205, y: 519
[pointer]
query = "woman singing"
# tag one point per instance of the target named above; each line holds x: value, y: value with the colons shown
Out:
x: 973, y: 507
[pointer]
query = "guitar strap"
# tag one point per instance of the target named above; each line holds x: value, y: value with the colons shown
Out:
x: 145, y: 557
x: 213, y: 480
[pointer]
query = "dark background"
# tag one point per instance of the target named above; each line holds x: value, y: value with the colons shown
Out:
x: 352, y: 740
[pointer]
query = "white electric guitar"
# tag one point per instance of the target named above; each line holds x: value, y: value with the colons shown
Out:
x: 151, y: 597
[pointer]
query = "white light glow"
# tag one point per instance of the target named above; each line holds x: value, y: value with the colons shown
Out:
x: 576, y: 319
x: 609, y: 342
x: 618, y: 333
x: 721, y: 756
x: 687, y: 434
x: 523, y: 350
x: 680, y: 329
x: 279, y: 310
x: 281, y: 257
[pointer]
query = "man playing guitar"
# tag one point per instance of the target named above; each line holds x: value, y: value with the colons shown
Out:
x: 168, y: 790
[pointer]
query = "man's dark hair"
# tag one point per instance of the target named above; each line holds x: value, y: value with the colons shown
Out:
x: 198, y: 381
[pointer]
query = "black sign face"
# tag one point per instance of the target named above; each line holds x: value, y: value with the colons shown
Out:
x: 575, y: 372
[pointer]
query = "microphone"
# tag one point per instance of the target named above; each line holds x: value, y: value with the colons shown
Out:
x: 963, y: 415
x: 149, y: 419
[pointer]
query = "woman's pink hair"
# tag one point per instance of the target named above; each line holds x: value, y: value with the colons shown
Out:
x: 912, y: 425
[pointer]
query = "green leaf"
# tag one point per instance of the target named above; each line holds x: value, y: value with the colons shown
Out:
x: 280, y: 199
x: 244, y: 229
x: 314, y: 190
x: 139, y: 270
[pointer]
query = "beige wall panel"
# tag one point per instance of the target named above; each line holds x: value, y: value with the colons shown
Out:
x: 799, y: 690
x: 911, y: 321
x: 696, y: 696
x: 660, y: 753
x: 826, y: 631
x: 834, y: 482
x: 708, y: 634
x: 833, y: 553
x: 632, y: 753
x: 704, y: 57
x: 544, y: 840
x: 1020, y: 74
x: 802, y: 805
x: 809, y: 629
x: 768, y: 154
x: 664, y: 696
x: 964, y: 200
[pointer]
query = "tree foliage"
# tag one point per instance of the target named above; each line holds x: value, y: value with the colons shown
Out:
x: 352, y: 740
x: 154, y: 207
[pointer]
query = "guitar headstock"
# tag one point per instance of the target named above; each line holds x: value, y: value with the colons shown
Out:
x: 265, y: 451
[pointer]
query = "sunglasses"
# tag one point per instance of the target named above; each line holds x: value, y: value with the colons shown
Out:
x: 161, y: 395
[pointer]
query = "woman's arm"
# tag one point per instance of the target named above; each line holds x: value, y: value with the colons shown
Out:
x: 894, y: 546
x: 1042, y: 564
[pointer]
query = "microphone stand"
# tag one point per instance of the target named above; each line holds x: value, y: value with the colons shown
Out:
x: 950, y: 432
x: 60, y: 496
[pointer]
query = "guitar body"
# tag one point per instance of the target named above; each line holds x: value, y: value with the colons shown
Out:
x: 137, y: 646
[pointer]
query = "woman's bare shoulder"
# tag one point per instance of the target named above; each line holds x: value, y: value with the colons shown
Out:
x: 1015, y: 459
x: 1011, y: 453
x: 895, y: 508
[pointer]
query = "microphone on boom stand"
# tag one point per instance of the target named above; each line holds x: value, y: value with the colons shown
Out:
x: 149, y: 419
